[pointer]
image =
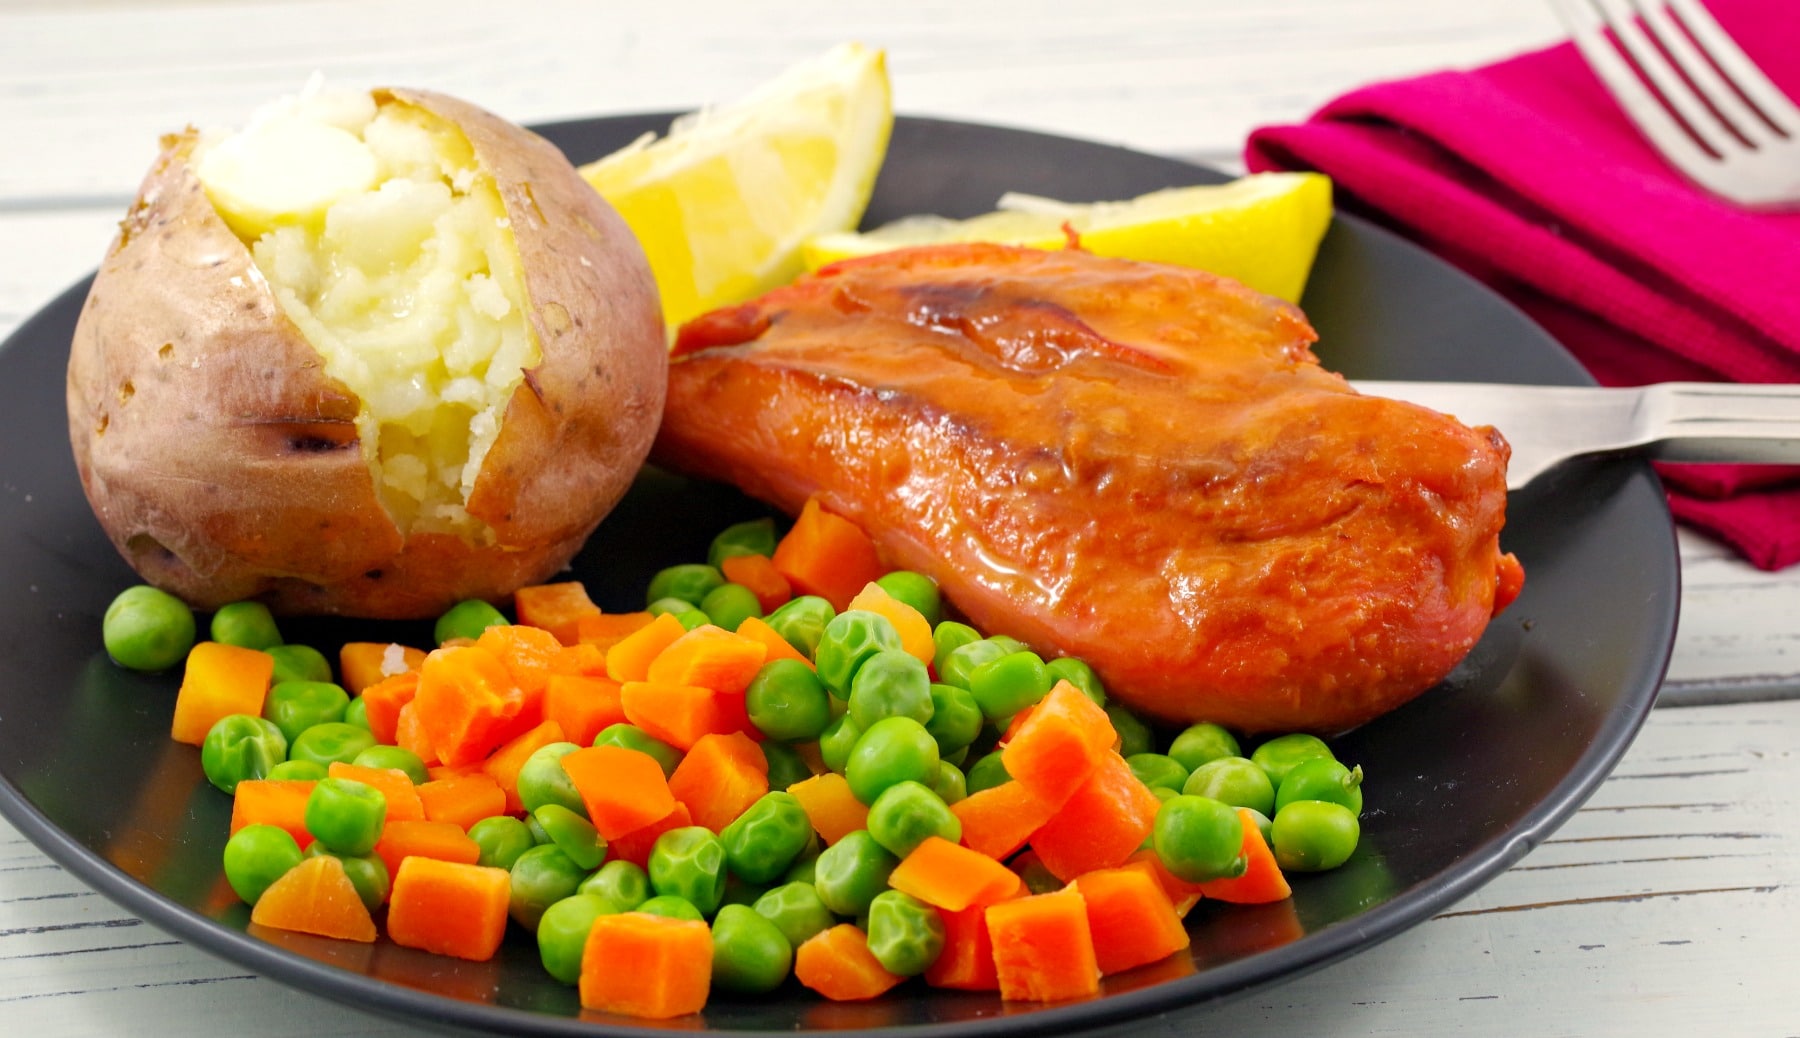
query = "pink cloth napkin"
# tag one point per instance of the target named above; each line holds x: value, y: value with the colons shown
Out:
x: 1527, y: 174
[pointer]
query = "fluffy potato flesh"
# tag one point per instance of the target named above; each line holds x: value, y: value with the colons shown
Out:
x: 387, y: 245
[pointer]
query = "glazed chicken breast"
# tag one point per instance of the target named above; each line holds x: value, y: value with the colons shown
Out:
x: 1140, y: 465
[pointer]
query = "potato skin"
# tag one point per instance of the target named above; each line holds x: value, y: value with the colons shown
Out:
x: 224, y: 464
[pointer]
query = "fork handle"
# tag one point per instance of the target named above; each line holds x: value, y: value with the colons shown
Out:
x: 1721, y: 422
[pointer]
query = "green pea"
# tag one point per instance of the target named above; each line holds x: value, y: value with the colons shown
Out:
x: 906, y: 814
x: 801, y: 622
x: 1198, y: 838
x: 693, y: 618
x: 1199, y: 743
x: 501, y: 839
x: 541, y: 877
x: 1134, y: 735
x: 750, y: 954
x: 572, y: 834
x: 1322, y: 778
x: 239, y: 747
x: 256, y: 856
x: 689, y: 863
x: 539, y: 838
x: 955, y: 719
x: 307, y: 770
x: 331, y: 741
x: 624, y: 883
x: 248, y: 625
x: 1037, y: 877
x: 1314, y: 835
x: 689, y: 581
x: 891, y: 683
x: 955, y: 666
x: 631, y: 737
x: 796, y: 910
x: 805, y: 868
x: 1279, y: 755
x: 948, y: 636
x: 751, y: 537
x: 986, y: 773
x: 542, y: 780
x: 357, y: 713
x: 295, y: 706
x: 786, y: 767
x: 346, y: 815
x: 1079, y: 674
x: 730, y: 605
x: 1233, y: 780
x: 906, y: 935
x: 849, y: 640
x: 672, y: 907
x: 395, y: 758
x: 787, y: 701
x: 890, y: 751
x: 851, y: 872
x: 298, y: 663
x: 367, y: 872
x: 762, y: 842
x: 916, y: 590
x: 466, y: 619
x: 147, y: 629
x: 1156, y: 769
x: 1002, y: 687
x: 562, y: 933
x: 670, y: 605
x: 838, y: 739
x: 951, y: 784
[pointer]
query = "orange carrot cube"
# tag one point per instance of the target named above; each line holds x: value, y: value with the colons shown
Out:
x: 1100, y: 825
x: 220, y: 680
x: 1059, y: 745
x: 1043, y: 949
x: 622, y: 789
x: 646, y: 966
x: 448, y: 907
x: 557, y: 608
x: 1130, y: 918
x: 952, y: 877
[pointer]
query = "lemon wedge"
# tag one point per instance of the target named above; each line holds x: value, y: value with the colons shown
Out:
x: 724, y: 201
x: 1262, y: 229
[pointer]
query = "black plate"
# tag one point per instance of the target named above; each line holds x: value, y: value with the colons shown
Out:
x: 1463, y: 781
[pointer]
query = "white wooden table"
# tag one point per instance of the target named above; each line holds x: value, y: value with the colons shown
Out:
x: 1668, y: 904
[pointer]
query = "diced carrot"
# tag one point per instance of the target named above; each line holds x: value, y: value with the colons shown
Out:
x: 827, y: 555
x: 1100, y: 825
x: 277, y: 802
x: 838, y: 964
x: 220, y: 680
x: 830, y: 805
x: 504, y: 764
x: 635, y: 846
x: 1262, y: 881
x: 758, y: 573
x: 646, y: 966
x: 557, y: 608
x: 998, y: 820
x: 403, y: 804
x: 952, y: 877
x: 445, y: 841
x: 362, y: 664
x: 909, y: 623
x: 451, y: 908
x: 777, y: 647
x: 608, y: 629
x: 530, y: 656
x: 1182, y: 894
x: 629, y: 658
x: 711, y: 657
x: 719, y: 778
x: 462, y: 799
x: 680, y: 714
x: 383, y: 700
x: 467, y: 698
x: 410, y: 733
x: 1060, y: 744
x: 583, y: 706
x: 316, y: 897
x: 1043, y: 949
x: 1130, y: 919
x: 581, y: 660
x: 967, y: 961
x: 622, y: 789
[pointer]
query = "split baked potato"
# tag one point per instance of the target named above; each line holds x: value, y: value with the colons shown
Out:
x: 373, y: 354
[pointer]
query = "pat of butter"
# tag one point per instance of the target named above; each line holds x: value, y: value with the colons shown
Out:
x: 283, y: 172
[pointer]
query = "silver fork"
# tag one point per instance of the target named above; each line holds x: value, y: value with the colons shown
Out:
x: 1708, y: 108
x: 1669, y: 421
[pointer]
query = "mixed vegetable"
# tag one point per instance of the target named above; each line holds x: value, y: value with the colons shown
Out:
x: 790, y: 763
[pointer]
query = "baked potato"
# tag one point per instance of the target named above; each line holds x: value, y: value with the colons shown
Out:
x: 373, y: 354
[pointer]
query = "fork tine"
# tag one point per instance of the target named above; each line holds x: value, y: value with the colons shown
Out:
x: 1732, y: 60
x: 1586, y: 27
x: 1676, y: 93
x: 1726, y: 102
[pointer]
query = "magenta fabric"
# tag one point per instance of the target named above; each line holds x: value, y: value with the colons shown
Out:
x: 1527, y: 174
